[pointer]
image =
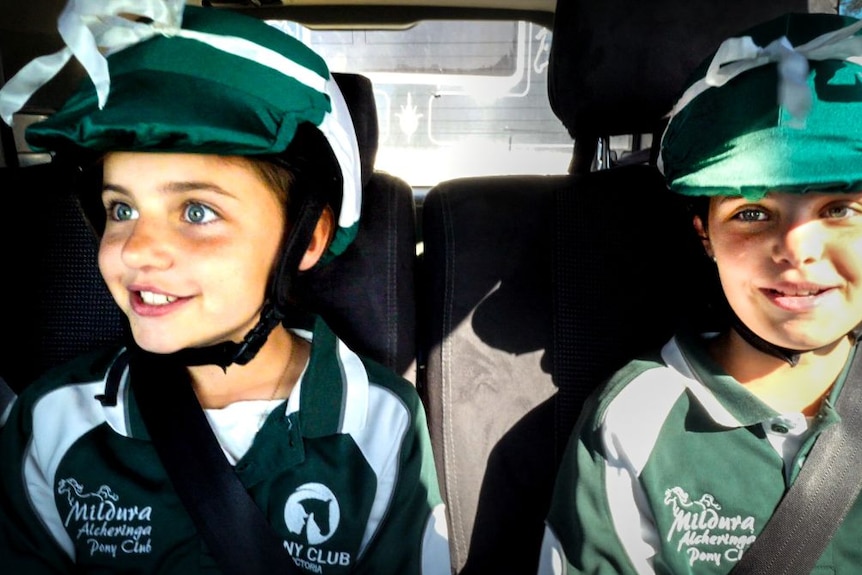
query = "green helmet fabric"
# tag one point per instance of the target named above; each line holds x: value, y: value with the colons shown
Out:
x: 779, y: 109
x: 199, y: 80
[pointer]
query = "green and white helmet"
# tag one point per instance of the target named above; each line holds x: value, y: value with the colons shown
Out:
x: 164, y: 77
x: 777, y: 108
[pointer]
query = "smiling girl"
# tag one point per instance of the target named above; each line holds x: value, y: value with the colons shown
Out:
x: 219, y: 161
x: 790, y: 266
x: 186, y: 254
x: 679, y: 461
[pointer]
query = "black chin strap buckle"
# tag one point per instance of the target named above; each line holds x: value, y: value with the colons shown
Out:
x: 228, y: 352
x: 254, y: 340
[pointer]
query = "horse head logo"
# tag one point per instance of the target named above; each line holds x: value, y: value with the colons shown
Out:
x: 312, y: 510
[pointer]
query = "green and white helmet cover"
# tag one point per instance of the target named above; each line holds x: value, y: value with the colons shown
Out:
x: 189, y: 79
x: 777, y: 109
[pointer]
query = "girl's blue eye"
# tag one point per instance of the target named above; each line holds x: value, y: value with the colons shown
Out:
x: 121, y: 212
x: 199, y: 214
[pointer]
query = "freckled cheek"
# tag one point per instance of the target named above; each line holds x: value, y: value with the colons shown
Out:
x: 744, y: 253
x: 736, y: 288
x: 240, y: 276
x: 850, y: 271
x: 739, y: 266
x: 109, y: 257
x: 733, y: 251
x: 111, y: 270
x: 846, y: 257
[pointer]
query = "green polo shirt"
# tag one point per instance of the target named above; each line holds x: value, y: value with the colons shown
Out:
x: 343, y: 469
x: 675, y: 467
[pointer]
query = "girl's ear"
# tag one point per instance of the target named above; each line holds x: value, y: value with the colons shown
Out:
x: 703, y: 234
x: 319, y: 240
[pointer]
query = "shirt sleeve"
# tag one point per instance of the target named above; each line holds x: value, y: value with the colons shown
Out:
x: 26, y: 547
x: 413, y: 539
x: 597, y: 515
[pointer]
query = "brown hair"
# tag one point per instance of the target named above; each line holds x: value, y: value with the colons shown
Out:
x: 278, y: 178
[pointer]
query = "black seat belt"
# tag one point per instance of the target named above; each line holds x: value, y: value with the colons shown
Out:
x: 234, y: 528
x: 815, y: 505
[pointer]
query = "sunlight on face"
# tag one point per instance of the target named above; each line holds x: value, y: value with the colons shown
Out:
x: 791, y: 264
x: 188, y: 246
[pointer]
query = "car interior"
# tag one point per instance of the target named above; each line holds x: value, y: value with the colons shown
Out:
x: 506, y: 298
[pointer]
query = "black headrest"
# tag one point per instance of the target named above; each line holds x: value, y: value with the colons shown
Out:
x: 359, y: 95
x: 618, y: 66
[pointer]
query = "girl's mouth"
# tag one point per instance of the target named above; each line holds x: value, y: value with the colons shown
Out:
x: 797, y: 299
x: 796, y: 293
x: 146, y: 303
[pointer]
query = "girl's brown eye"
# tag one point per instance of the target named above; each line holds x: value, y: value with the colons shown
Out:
x: 751, y: 215
x: 838, y: 212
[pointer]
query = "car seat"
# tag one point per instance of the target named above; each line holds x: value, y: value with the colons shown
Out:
x: 62, y: 308
x: 540, y: 287
x: 489, y: 389
x: 367, y: 294
x: 61, y: 305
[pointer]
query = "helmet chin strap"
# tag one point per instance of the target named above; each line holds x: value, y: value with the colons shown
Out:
x: 791, y: 356
x: 227, y: 352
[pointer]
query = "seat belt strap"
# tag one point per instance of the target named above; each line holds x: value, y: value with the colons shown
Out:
x: 815, y: 505
x: 234, y: 528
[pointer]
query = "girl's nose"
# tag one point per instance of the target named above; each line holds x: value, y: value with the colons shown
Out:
x: 800, y: 244
x: 146, y: 246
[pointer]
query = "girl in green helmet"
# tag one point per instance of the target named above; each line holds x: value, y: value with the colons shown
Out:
x: 679, y: 461
x: 219, y: 161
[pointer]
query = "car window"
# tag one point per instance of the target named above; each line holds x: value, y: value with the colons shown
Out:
x: 454, y: 98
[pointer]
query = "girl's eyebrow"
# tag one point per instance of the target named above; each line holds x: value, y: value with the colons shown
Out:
x: 108, y: 187
x: 721, y: 200
x: 191, y: 186
x: 173, y: 187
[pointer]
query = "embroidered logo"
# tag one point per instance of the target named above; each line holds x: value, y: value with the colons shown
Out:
x: 705, y: 533
x: 312, y: 509
x: 104, y: 526
x: 312, y: 512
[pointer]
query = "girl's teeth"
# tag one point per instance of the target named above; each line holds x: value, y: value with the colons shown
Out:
x: 151, y: 298
x: 796, y: 294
